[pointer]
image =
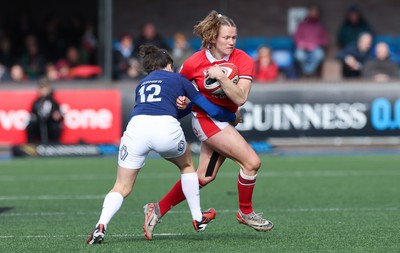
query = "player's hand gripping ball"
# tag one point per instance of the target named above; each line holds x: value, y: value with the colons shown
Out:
x: 230, y: 70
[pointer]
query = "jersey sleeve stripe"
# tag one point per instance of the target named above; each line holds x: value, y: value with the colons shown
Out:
x: 246, y: 77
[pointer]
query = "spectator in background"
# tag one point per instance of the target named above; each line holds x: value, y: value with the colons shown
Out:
x: 381, y: 69
x: 89, y: 42
x: 54, y: 43
x: 32, y: 60
x: 74, y: 57
x: 23, y: 25
x: 352, y: 27
x: 17, y: 73
x: 310, y: 39
x: 125, y: 63
x: 354, y: 56
x: 265, y: 69
x: 75, y: 65
x: 4, y: 74
x: 6, y: 57
x: 134, y: 71
x: 74, y: 29
x: 150, y: 36
x: 181, y: 50
x: 63, y: 70
x: 45, y: 123
x: 52, y: 72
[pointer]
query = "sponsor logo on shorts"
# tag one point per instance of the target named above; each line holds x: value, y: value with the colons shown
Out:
x: 123, y: 152
x: 181, y: 146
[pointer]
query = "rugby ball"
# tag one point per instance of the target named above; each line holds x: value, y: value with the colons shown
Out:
x: 230, y: 70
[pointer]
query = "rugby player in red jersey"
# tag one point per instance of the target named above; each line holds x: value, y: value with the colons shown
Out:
x: 220, y: 140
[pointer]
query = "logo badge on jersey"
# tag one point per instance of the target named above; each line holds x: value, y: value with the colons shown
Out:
x: 213, y: 85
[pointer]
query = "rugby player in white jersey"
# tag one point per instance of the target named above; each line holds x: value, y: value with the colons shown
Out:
x: 154, y: 126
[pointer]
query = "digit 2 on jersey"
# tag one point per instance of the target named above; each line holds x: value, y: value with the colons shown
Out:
x: 230, y: 71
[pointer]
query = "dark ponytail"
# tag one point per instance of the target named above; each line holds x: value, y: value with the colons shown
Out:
x: 154, y: 58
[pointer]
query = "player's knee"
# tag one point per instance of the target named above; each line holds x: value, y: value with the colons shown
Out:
x: 252, y: 166
x: 126, y: 192
x: 255, y: 163
x: 123, y: 190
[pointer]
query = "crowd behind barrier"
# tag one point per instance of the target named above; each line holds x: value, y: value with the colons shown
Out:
x: 293, y: 109
x: 67, y: 53
x: 68, y: 50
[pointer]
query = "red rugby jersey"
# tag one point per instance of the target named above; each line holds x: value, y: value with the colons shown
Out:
x: 195, y: 66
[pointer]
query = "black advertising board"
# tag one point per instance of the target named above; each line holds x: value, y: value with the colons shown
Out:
x: 321, y: 111
x: 318, y: 110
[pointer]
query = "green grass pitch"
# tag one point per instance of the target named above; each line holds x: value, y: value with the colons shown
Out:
x: 317, y: 203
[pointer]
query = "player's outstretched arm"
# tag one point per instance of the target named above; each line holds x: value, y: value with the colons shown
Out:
x: 213, y: 110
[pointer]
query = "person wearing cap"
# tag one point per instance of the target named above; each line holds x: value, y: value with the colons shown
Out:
x: 45, y: 123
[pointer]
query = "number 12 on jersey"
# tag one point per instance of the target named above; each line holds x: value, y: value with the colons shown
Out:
x: 150, y: 93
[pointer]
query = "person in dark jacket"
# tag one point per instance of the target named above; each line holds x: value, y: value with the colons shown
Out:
x: 126, y: 63
x: 353, y: 25
x: 354, y: 56
x: 45, y: 123
x: 150, y: 36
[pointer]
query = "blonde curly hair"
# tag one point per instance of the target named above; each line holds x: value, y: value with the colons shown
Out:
x: 208, y: 28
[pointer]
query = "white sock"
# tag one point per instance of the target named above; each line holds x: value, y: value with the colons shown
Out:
x: 244, y: 176
x: 112, y: 203
x: 190, y: 188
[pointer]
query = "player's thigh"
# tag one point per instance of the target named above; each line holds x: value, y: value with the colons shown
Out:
x: 231, y: 144
x: 183, y: 162
x: 134, y: 145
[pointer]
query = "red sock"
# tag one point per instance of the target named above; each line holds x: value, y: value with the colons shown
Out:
x: 245, y: 192
x: 173, y: 197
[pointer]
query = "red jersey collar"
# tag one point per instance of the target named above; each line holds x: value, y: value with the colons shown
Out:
x: 212, y: 59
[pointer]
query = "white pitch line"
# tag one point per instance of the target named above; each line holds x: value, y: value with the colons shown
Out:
x: 81, y: 177
x: 34, y: 214
x: 336, y: 209
x: 64, y: 236
x: 53, y: 197
x: 272, y: 210
x: 264, y: 173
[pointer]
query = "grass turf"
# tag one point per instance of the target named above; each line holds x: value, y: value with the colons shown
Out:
x: 318, y: 204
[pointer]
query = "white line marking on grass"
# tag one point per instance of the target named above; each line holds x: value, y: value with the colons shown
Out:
x: 82, y: 177
x: 344, y: 173
x: 53, y: 197
x: 64, y: 236
x: 222, y: 174
x: 272, y: 210
x: 337, y: 209
x: 328, y: 209
x: 35, y: 214
x: 320, y: 173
